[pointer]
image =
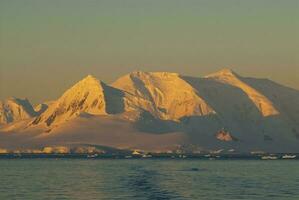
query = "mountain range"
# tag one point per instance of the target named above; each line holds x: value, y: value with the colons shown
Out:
x: 160, y: 111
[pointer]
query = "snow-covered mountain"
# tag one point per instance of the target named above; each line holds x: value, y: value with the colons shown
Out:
x: 159, y: 111
x: 85, y: 96
x: 262, y: 103
x: 15, y: 109
x: 169, y: 97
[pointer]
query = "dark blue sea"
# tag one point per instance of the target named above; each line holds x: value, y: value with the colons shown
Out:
x: 161, y: 179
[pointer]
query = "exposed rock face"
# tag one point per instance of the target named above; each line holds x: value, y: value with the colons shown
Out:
x: 225, y: 136
x: 41, y: 108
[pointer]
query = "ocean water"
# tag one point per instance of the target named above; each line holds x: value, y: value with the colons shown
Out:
x: 148, y: 179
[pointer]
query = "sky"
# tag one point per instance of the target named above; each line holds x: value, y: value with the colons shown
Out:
x: 48, y: 45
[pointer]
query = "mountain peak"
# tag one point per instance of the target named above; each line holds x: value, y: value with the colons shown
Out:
x: 227, y: 71
x: 263, y: 104
x: 156, y: 74
x: 223, y: 72
x: 90, y: 79
x: 164, y: 94
x: 89, y: 84
x: 18, y: 100
x: 13, y: 109
x: 86, y: 95
x: 89, y: 76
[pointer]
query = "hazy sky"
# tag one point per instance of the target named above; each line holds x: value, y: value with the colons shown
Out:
x: 46, y: 46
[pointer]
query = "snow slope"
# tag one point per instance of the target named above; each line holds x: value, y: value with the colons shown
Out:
x: 85, y: 96
x: 170, y: 97
x: 161, y: 110
x: 263, y: 104
x: 15, y: 109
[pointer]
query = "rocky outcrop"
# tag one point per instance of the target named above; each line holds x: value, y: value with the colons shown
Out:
x: 225, y: 136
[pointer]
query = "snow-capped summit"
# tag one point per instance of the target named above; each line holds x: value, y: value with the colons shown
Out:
x: 169, y: 95
x: 160, y: 110
x: 263, y: 104
x: 14, y: 109
x: 223, y: 72
x: 85, y: 96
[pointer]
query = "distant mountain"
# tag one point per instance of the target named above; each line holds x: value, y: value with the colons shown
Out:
x: 168, y: 96
x: 15, y: 109
x: 160, y: 111
x: 85, y: 96
x: 262, y: 103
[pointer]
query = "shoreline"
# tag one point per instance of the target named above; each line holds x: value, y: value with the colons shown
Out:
x: 278, y: 156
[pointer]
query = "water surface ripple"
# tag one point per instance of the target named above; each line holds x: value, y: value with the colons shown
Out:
x: 148, y: 179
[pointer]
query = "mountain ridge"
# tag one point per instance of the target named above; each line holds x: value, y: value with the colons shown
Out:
x: 14, y: 109
x: 257, y: 113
